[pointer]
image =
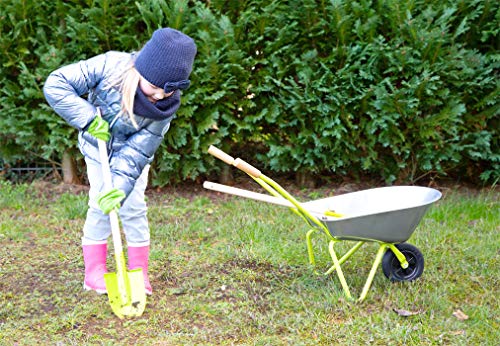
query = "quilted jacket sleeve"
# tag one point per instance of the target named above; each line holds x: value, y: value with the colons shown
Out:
x: 128, y: 162
x: 65, y: 86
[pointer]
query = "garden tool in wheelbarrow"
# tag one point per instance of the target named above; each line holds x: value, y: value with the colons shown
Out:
x: 386, y: 216
x: 126, y: 291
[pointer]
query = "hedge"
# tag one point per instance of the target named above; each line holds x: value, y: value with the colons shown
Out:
x: 396, y: 90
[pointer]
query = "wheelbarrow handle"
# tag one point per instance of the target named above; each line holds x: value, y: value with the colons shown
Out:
x: 238, y: 163
x: 247, y: 168
x: 262, y: 197
x: 220, y: 155
x: 247, y: 194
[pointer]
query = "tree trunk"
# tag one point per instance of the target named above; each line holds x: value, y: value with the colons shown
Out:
x: 226, y: 176
x: 69, y: 171
x: 305, y: 179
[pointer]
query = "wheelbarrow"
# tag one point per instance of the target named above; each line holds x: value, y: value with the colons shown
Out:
x: 387, y: 216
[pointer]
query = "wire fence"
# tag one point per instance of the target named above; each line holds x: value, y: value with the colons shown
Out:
x: 27, y: 172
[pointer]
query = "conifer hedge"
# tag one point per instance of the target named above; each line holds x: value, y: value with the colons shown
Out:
x: 393, y: 89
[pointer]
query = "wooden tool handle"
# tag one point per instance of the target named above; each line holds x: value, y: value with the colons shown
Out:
x: 108, y: 185
x: 247, y: 168
x: 220, y: 155
x: 260, y: 197
x: 238, y: 163
x: 247, y: 194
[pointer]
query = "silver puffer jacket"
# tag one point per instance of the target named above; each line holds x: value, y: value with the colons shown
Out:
x: 130, y: 149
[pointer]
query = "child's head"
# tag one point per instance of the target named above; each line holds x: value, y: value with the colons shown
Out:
x: 166, y: 60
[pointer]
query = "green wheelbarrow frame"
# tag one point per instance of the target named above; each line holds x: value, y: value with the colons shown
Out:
x: 316, y: 225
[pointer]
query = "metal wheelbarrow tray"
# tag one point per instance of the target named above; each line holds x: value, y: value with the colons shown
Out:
x: 386, y: 215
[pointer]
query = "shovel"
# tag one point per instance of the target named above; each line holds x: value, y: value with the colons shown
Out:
x: 126, y: 292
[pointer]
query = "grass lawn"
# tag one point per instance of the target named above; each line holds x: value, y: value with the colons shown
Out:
x: 226, y: 270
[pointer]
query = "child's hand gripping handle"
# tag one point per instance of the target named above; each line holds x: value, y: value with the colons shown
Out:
x: 238, y: 163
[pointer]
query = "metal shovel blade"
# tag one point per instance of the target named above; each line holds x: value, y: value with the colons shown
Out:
x: 126, y: 292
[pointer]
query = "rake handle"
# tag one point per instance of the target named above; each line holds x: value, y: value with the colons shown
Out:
x: 238, y: 163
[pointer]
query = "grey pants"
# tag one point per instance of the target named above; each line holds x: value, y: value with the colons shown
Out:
x: 133, y: 213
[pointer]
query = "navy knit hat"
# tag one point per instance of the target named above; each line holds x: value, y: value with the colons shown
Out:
x: 166, y: 60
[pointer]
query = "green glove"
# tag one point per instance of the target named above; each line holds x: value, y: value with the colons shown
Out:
x: 99, y: 128
x: 110, y: 200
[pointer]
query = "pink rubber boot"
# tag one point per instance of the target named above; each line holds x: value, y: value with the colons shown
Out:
x: 94, y: 257
x: 138, y: 257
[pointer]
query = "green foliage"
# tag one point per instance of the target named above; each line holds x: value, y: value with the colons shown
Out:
x: 38, y: 37
x: 394, y: 89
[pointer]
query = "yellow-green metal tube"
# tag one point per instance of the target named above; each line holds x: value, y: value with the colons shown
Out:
x: 346, y: 256
x: 309, y: 234
x: 376, y: 263
x: 351, y: 252
x: 340, y: 274
x: 399, y: 255
x: 266, y: 186
x: 292, y: 200
x: 274, y: 193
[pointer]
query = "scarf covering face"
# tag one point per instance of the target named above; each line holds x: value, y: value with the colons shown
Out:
x: 160, y: 110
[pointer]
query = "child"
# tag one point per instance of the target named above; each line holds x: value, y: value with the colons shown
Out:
x: 137, y: 94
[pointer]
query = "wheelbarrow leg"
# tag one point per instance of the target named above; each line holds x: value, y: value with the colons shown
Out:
x: 312, y: 260
x: 340, y: 274
x: 376, y: 263
x: 346, y: 256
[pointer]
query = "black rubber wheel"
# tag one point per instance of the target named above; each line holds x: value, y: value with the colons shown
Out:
x: 392, y: 267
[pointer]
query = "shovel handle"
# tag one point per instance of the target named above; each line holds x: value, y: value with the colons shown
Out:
x: 108, y: 184
x: 238, y: 163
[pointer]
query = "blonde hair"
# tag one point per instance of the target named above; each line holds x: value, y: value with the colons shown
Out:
x: 128, y: 88
x: 127, y: 84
